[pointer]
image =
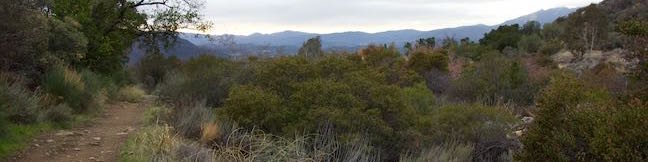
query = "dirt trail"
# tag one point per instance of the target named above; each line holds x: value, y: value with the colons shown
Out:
x: 99, y: 140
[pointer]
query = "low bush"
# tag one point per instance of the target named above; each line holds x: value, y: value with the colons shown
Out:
x: 621, y: 135
x: 484, y: 127
x: 494, y: 79
x: 68, y: 87
x: 130, y: 93
x: 188, y: 120
x: 530, y: 44
x: 157, y: 115
x: 60, y: 114
x: 153, y: 68
x: 551, y: 47
x: 18, y: 104
x: 569, y: 110
x: 206, y: 78
x: 420, y: 98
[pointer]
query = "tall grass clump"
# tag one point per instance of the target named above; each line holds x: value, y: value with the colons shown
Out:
x: 67, y: 86
x: 161, y: 143
x: 130, y: 94
x: 449, y: 152
x: 83, y: 92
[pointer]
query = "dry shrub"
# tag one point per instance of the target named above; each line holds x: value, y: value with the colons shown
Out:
x: 210, y: 132
x: 18, y: 104
x: 130, y: 94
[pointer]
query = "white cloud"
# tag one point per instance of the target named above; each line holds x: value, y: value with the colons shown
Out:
x: 327, y: 16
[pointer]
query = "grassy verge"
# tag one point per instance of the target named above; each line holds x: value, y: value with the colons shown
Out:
x: 18, y: 136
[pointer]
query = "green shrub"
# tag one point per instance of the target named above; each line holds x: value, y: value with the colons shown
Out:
x: 152, y: 69
x: 551, y: 47
x: 157, y: 115
x: 568, y: 113
x: 18, y: 104
x: 485, y: 127
x: 493, y: 79
x: 622, y: 134
x: 60, y: 114
x: 251, y: 106
x: 68, y: 87
x: 206, y: 78
x: 420, y: 98
x: 423, y: 61
x: 95, y: 83
x: 530, y: 43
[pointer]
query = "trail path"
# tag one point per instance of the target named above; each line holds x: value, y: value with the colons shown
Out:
x: 96, y: 141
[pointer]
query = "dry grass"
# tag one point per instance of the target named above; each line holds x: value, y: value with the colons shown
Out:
x: 130, y: 94
x: 222, y: 141
x: 210, y: 132
x: 451, y: 152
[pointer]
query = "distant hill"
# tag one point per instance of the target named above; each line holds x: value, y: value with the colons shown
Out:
x: 352, y: 39
x: 182, y: 48
x: 542, y: 16
x: 288, y: 42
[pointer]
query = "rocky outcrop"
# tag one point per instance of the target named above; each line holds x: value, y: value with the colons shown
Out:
x: 567, y: 60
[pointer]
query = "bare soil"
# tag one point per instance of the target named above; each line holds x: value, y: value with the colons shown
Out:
x: 98, y: 140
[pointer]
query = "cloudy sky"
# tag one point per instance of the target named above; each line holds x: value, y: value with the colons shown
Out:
x: 328, y: 16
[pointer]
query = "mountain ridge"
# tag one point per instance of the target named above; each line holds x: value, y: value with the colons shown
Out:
x: 357, y: 38
x: 289, y: 41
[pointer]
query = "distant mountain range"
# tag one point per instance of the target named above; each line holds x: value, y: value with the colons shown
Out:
x: 288, y: 42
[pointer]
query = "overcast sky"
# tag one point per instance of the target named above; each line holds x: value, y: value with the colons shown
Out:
x: 329, y: 16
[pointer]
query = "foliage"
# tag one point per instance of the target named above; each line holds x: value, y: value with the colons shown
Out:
x: 495, y: 78
x: 23, y: 40
x: 18, y: 104
x: 551, y: 47
x: 420, y: 98
x: 426, y: 43
x: 484, y: 127
x: 472, y: 50
x: 187, y: 120
x: 502, y: 37
x: 241, y: 145
x: 531, y: 28
x: 111, y: 27
x: 18, y: 136
x: 423, y: 61
x: 206, y: 78
x: 621, y: 135
x: 586, y: 29
x: 636, y: 37
x: 152, y: 69
x: 312, y: 48
x: 294, y: 95
x: 60, y: 114
x: 251, y: 106
x: 568, y: 113
x: 530, y: 43
x: 130, y: 94
x: 68, y: 87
